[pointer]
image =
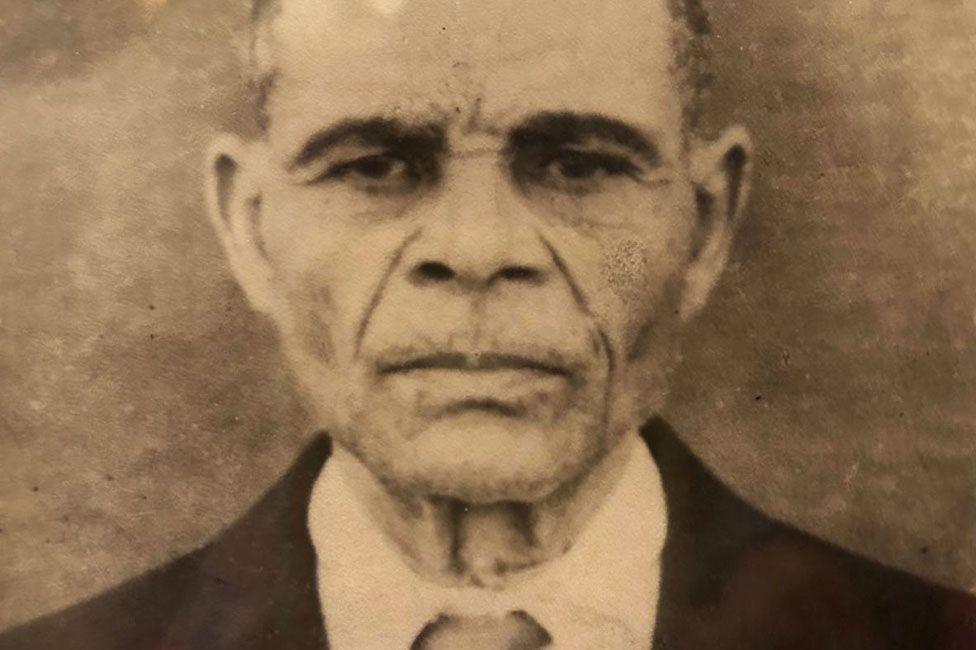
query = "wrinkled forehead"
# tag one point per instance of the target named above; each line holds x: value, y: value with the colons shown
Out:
x: 360, y: 57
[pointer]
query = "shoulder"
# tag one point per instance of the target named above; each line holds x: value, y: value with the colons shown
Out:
x: 740, y: 579
x: 807, y: 593
x: 133, y: 615
x: 254, y: 586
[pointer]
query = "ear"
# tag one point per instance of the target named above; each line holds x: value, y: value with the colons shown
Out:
x: 234, y: 206
x: 720, y: 172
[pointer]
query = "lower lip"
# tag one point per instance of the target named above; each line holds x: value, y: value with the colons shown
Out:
x: 506, y: 390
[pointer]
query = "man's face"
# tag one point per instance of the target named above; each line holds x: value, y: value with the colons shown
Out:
x: 473, y: 224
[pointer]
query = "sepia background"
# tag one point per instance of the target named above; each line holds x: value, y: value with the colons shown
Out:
x: 831, y: 382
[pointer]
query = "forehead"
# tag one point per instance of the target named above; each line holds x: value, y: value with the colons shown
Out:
x: 504, y: 59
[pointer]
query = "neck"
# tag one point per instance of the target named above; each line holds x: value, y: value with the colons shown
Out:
x: 484, y: 544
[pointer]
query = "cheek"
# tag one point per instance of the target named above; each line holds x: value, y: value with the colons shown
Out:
x: 645, y: 279
x: 642, y: 281
x: 301, y: 227
x: 327, y: 267
x: 643, y: 271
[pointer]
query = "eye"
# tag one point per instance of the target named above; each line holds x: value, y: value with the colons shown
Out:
x: 575, y: 171
x: 379, y: 173
x: 579, y: 166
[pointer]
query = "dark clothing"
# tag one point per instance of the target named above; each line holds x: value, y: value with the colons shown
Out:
x: 731, y: 578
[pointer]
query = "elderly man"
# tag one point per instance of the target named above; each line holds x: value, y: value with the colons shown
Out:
x: 478, y: 228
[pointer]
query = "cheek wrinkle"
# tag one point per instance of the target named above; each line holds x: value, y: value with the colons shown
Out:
x: 581, y: 301
x: 564, y: 271
x: 314, y: 330
x: 642, y: 342
x: 374, y: 300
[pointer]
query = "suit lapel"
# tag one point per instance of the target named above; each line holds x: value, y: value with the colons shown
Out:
x: 731, y: 577
x: 709, y: 529
x: 255, y: 585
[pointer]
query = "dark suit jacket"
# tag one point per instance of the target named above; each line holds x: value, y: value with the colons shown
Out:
x: 731, y: 578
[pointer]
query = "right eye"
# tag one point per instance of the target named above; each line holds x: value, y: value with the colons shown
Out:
x: 379, y: 173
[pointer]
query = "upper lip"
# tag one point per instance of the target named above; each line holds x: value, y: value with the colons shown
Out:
x: 473, y: 362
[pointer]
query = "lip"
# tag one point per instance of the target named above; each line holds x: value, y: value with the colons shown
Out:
x: 473, y: 363
x: 445, y: 386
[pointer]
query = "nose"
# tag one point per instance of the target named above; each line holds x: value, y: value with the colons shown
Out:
x: 478, y: 233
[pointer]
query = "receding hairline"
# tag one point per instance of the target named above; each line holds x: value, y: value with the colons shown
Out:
x: 692, y: 12
x: 691, y: 54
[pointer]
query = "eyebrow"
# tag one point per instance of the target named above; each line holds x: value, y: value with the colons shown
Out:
x: 568, y: 128
x: 374, y: 131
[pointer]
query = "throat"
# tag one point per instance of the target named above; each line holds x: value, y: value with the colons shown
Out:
x: 490, y: 543
x: 459, y: 543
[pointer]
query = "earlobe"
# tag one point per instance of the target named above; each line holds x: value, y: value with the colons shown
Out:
x: 226, y: 156
x: 737, y: 168
x: 234, y: 207
x: 720, y: 172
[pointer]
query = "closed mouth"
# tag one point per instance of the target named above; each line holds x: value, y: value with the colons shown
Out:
x: 473, y: 363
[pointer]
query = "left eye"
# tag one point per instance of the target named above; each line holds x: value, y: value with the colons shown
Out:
x: 573, y: 170
x: 375, y: 173
x: 580, y: 166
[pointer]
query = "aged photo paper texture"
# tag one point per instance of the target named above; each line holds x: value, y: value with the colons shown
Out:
x: 454, y: 324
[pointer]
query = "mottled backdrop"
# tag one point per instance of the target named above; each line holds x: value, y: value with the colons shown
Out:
x: 142, y: 406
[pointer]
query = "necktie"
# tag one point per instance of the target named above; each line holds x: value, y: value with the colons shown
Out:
x: 514, y: 631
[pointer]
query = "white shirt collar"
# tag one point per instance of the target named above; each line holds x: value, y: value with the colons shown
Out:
x: 607, y: 583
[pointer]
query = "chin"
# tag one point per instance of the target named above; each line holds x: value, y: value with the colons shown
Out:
x: 485, y: 458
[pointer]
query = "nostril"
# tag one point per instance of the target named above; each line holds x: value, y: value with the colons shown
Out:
x: 432, y: 272
x: 520, y: 274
